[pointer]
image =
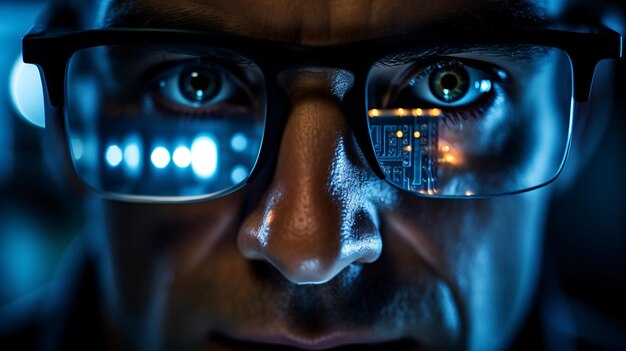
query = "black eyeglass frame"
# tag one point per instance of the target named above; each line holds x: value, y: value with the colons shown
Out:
x: 51, y: 53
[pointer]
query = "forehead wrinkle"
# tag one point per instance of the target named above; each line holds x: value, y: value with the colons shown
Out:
x: 221, y: 15
x: 323, y: 21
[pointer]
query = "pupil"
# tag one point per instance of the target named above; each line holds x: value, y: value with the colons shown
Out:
x: 449, y: 84
x: 449, y: 81
x: 199, y: 84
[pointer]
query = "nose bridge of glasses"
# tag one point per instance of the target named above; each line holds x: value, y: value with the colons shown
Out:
x: 336, y: 82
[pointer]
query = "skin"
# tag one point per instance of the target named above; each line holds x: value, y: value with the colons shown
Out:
x: 318, y: 252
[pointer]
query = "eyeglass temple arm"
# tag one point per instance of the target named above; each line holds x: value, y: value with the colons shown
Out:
x: 584, y: 58
x: 50, y: 56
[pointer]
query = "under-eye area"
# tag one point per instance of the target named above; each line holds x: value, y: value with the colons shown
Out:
x: 460, y: 124
x: 149, y: 120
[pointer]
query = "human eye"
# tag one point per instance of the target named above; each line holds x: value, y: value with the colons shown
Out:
x: 451, y: 83
x: 471, y: 98
x: 199, y: 89
x: 461, y: 89
x: 467, y: 120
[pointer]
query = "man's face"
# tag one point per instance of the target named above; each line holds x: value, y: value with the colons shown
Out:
x: 318, y: 252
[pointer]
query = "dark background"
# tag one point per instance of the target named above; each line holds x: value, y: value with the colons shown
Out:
x: 585, y: 239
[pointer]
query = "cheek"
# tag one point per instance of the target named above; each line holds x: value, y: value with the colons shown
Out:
x: 498, y: 266
x: 488, y: 251
x: 148, y: 249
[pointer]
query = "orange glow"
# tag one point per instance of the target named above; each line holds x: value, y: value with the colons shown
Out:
x: 402, y: 112
x: 270, y: 217
x: 451, y: 158
x: 408, y: 148
x: 449, y: 153
x: 469, y: 193
x: 435, y: 112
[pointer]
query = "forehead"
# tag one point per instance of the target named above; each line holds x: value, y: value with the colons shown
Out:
x: 320, y: 21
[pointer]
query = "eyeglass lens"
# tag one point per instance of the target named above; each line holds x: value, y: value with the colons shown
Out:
x: 469, y: 121
x: 187, y: 121
x: 167, y: 121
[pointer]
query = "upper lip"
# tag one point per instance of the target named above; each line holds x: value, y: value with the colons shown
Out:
x: 321, y: 342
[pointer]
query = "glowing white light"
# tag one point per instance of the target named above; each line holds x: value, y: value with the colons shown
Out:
x: 182, y: 157
x: 113, y: 155
x: 27, y: 93
x: 238, y: 174
x: 239, y: 142
x: 204, y: 156
x: 485, y: 85
x: 160, y: 157
x: 132, y: 156
x: 77, y: 148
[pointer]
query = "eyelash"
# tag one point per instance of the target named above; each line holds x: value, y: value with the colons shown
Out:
x: 453, y: 115
x: 162, y: 106
x: 438, y: 63
x: 191, y: 114
x: 476, y: 111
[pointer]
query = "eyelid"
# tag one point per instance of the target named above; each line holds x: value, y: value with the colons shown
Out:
x: 148, y: 76
x: 424, y: 67
x: 149, y: 79
x: 207, y: 53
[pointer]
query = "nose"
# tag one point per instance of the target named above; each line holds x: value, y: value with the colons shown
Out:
x: 316, y: 217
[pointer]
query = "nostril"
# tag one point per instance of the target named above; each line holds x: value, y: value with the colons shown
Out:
x: 316, y: 217
x: 363, y: 223
x: 311, y: 255
x: 252, y: 237
x: 364, y: 243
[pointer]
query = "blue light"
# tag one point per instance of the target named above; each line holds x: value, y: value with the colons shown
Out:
x: 239, y: 142
x: 238, y: 174
x: 160, y: 157
x: 204, y: 156
x: 77, y: 148
x: 132, y: 155
x: 485, y: 85
x: 25, y: 253
x: 27, y: 93
x: 182, y: 157
x: 113, y: 155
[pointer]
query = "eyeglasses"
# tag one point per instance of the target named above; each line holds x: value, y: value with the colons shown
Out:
x: 172, y: 115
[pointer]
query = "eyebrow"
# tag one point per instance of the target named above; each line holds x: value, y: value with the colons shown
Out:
x: 519, y: 53
x: 492, y: 14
